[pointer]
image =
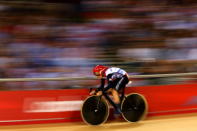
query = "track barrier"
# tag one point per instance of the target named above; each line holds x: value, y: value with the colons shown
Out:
x: 46, y: 106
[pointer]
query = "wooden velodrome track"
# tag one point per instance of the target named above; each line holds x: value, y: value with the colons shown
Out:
x: 186, y: 122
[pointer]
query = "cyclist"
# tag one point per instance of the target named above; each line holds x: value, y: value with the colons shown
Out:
x: 116, y: 78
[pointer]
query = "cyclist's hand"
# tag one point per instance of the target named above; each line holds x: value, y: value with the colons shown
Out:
x: 93, y: 92
x: 99, y: 93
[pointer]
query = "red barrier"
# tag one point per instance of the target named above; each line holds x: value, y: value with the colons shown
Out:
x: 44, y: 106
x: 41, y: 106
x: 169, y: 99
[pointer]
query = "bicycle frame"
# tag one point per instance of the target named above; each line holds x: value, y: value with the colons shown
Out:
x: 105, y: 94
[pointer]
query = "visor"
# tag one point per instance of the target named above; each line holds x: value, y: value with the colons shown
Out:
x: 97, y: 73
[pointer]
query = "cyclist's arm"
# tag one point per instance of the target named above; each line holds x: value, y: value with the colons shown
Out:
x: 102, y: 84
x: 100, y: 88
x: 110, y: 81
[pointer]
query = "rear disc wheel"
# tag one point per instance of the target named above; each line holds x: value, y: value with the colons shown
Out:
x: 134, y: 107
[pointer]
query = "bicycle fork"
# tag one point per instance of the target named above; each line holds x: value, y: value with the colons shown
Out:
x: 97, y: 106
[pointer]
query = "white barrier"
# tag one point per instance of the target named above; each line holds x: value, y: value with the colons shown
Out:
x: 164, y: 75
x: 94, y: 78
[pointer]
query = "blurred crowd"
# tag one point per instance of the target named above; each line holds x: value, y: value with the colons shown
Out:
x: 46, y: 38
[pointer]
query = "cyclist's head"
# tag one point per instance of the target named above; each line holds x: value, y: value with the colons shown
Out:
x: 99, y: 70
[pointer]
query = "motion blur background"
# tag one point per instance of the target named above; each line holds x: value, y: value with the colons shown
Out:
x: 66, y: 38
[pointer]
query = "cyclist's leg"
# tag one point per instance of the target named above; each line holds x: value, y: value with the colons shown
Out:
x: 121, y: 84
x: 117, y: 101
x: 115, y: 95
x: 121, y: 87
x: 111, y: 89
